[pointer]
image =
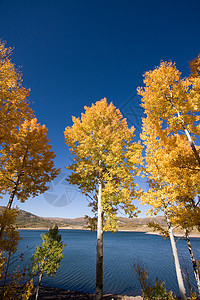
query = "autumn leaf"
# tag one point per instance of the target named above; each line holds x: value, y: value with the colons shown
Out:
x: 103, y: 149
x: 27, y: 162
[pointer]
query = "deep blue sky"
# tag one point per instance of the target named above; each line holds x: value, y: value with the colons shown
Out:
x: 75, y: 52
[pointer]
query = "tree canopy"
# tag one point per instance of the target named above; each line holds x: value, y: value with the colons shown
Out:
x: 26, y: 162
x: 13, y: 96
x: 103, y: 150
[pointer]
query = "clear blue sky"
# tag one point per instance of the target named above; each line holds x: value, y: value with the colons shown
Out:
x: 75, y: 52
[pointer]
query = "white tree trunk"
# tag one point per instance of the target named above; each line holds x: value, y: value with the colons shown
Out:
x: 38, y: 286
x: 194, y: 263
x: 176, y: 261
x: 192, y: 145
x: 99, y: 262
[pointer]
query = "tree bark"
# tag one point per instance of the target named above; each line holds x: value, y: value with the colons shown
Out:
x: 176, y: 261
x: 192, y: 145
x: 14, y: 190
x: 17, y: 181
x: 99, y: 262
x: 38, y: 286
x: 194, y: 263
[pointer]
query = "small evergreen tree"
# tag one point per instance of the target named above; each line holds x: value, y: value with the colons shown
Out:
x: 47, y: 257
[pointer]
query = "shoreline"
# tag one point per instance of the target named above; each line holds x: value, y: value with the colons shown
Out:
x: 176, y: 234
x: 48, y: 293
x: 47, y: 228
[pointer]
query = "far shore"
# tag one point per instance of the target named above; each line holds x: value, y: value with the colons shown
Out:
x: 47, y: 228
x: 177, y: 234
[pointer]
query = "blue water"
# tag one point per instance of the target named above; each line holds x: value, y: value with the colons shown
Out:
x: 121, y: 251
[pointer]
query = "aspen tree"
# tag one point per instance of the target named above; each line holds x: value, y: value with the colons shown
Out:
x: 172, y: 107
x: 160, y: 195
x: 172, y: 102
x: 105, y: 159
x: 26, y: 162
x: 14, y: 106
x: 26, y: 159
x: 187, y: 217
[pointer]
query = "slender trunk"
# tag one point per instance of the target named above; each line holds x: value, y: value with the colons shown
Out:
x: 192, y: 145
x: 14, y: 190
x: 17, y: 181
x: 194, y: 263
x: 38, y: 286
x: 176, y: 261
x: 99, y: 262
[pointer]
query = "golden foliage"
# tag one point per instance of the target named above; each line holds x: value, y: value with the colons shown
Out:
x: 28, y: 290
x: 172, y: 170
x: 169, y: 101
x: 26, y: 161
x: 171, y: 105
x: 9, y: 236
x: 103, y: 149
x: 13, y: 96
x: 195, y: 67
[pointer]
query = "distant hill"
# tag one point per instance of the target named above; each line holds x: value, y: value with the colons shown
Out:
x: 139, y: 224
x: 28, y: 220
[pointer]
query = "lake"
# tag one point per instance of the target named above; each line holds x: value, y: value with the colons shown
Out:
x: 121, y: 251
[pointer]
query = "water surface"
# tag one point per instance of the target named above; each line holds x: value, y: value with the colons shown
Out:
x: 121, y: 251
